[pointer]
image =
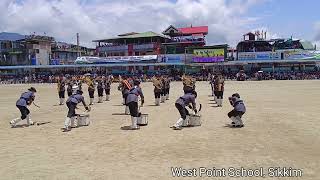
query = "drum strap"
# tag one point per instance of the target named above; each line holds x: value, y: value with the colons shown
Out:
x: 127, y: 84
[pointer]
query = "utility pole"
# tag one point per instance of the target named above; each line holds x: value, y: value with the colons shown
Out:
x: 78, y: 45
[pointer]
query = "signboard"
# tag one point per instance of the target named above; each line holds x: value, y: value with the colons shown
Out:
x: 251, y: 56
x: 278, y: 55
x: 208, y: 55
x: 171, y: 58
x: 116, y: 59
x: 301, y: 54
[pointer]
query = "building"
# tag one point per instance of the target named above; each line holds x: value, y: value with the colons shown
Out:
x: 38, y: 49
x: 172, y: 41
x: 65, y: 53
x: 17, y: 49
x: 131, y: 44
x: 12, y: 50
x: 182, y: 38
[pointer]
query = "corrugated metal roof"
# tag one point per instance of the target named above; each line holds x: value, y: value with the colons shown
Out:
x: 133, y: 36
x: 5, y: 36
x: 194, y: 30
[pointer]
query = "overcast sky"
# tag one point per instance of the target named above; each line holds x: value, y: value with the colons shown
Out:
x: 98, y: 19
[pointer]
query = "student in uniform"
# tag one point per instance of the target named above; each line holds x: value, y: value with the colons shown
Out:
x: 188, y: 99
x: 167, y: 87
x: 157, y: 89
x: 188, y: 84
x: 125, y: 85
x: 220, y: 89
x: 69, y: 88
x: 100, y: 88
x: 72, y: 103
x: 239, y: 109
x: 61, y: 89
x: 91, y: 89
x: 132, y: 102
x: 107, y: 86
x: 22, y: 104
x: 163, y: 90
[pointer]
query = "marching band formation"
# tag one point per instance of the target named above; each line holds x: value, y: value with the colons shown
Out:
x: 132, y: 93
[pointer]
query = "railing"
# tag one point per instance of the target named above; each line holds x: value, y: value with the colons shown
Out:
x: 13, y: 50
x: 125, y: 47
x: 113, y: 48
x: 143, y: 46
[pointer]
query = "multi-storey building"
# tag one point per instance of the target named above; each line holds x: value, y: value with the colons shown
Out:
x: 172, y: 41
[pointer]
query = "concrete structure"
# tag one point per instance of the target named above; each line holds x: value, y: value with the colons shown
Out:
x: 65, y: 53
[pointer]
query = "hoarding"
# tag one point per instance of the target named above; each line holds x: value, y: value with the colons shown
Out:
x: 116, y: 59
x: 301, y: 54
x: 251, y: 56
x: 171, y: 58
x: 208, y: 55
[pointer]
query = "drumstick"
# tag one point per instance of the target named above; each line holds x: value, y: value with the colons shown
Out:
x: 35, y: 105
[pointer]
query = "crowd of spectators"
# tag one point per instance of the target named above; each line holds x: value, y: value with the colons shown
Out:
x: 176, y: 74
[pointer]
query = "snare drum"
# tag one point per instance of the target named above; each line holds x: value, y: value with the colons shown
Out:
x: 143, y: 120
x: 195, y: 120
x: 185, y: 123
x: 83, y: 120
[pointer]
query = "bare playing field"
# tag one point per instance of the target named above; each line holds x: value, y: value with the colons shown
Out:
x: 282, y: 130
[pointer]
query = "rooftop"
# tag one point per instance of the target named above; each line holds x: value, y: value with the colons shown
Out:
x: 194, y: 30
x: 6, y: 36
x: 132, y: 35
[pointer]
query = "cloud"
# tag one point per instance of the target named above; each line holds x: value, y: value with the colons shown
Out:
x: 96, y: 19
x: 317, y: 29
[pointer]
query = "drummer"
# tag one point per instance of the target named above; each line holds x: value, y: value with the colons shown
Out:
x: 132, y: 102
x: 188, y: 99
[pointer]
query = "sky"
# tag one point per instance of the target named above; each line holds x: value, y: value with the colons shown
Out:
x: 228, y: 20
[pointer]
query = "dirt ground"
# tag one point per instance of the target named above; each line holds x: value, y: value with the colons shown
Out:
x: 282, y: 130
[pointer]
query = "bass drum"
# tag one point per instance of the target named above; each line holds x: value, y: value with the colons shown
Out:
x: 143, y: 120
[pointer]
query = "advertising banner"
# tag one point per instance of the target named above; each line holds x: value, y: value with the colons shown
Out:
x: 301, y: 54
x: 116, y: 59
x: 208, y: 55
x: 251, y: 56
x: 171, y: 58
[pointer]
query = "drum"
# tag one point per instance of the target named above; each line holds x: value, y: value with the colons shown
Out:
x: 195, y: 120
x: 75, y: 88
x: 143, y: 120
x: 185, y: 123
x: 83, y: 120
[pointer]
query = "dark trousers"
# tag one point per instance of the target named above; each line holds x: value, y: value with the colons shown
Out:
x: 72, y: 109
x: 24, y: 111
x: 69, y: 93
x: 167, y: 91
x: 215, y: 92
x: 182, y: 110
x: 235, y: 113
x: 219, y: 94
x: 100, y: 92
x: 157, y: 94
x: 133, y: 107
x: 163, y: 92
x: 125, y: 98
x: 91, y: 94
x: 107, y: 91
x: 61, y: 94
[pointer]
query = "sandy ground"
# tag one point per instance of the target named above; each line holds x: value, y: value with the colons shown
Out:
x: 282, y: 130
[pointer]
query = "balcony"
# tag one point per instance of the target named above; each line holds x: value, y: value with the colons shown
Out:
x: 12, y: 50
x: 143, y: 46
x: 113, y: 48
